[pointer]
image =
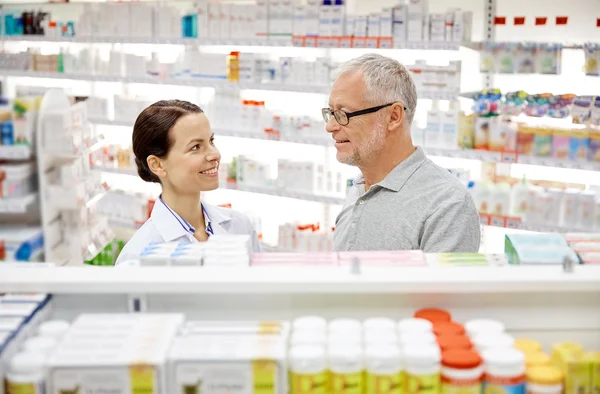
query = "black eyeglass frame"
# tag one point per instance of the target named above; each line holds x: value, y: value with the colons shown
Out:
x: 326, y: 111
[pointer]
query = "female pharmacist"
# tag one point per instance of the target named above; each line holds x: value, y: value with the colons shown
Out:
x: 174, y: 146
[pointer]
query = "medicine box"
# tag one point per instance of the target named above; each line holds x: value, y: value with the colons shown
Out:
x: 113, y: 353
x: 211, y: 364
x: 537, y: 249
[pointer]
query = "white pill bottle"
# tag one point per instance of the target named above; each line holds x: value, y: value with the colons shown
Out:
x: 308, y: 370
x: 26, y: 374
x: 384, y: 370
x: 346, y: 368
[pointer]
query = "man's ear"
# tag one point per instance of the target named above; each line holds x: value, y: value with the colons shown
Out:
x: 156, y: 166
x: 397, y: 116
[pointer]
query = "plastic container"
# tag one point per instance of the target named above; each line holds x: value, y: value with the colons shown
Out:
x: 422, y: 369
x: 462, y: 372
x: 308, y: 368
x: 519, y: 199
x: 538, y: 359
x: 379, y: 324
x: 504, y: 371
x: 54, y: 329
x: 384, y: 370
x: 414, y: 325
x: 454, y: 342
x: 433, y: 314
x: 316, y: 323
x: 42, y: 345
x: 448, y: 328
x: 483, y: 326
x: 381, y: 337
x: 421, y: 339
x: 308, y: 338
x: 345, y: 363
x: 493, y: 341
x: 545, y: 380
x: 347, y: 326
x: 26, y: 373
x: 528, y: 345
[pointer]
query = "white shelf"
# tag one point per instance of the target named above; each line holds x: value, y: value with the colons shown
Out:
x: 207, y: 83
x: 15, y: 152
x: 17, y: 205
x: 299, y: 195
x: 274, y: 280
x: 273, y: 42
x: 498, y: 157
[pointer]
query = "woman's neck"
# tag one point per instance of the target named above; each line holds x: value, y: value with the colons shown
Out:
x: 187, y: 206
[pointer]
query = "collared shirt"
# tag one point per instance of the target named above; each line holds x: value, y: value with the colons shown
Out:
x: 165, y: 225
x: 418, y: 205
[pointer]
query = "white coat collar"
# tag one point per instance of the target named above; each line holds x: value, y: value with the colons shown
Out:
x: 216, y: 216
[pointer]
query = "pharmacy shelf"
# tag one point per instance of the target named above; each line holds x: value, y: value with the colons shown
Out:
x: 274, y: 42
x: 17, y: 205
x: 15, y: 152
x: 322, y: 140
x: 515, y: 223
x: 512, y: 158
x: 247, y: 188
x: 216, y: 83
x: 274, y: 280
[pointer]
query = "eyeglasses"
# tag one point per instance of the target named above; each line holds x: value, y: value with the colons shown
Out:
x: 343, y: 117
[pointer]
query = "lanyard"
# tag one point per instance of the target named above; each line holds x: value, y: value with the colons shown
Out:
x: 186, y: 226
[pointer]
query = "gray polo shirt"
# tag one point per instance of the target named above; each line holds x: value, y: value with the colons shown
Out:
x: 418, y: 205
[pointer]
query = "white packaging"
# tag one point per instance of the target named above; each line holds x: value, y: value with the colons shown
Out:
x: 274, y: 13
x: 450, y: 126
x: 426, y: 27
x: 414, y: 325
x: 345, y: 365
x: 587, y: 205
x: 26, y: 373
x: 299, y: 28
x: 261, y: 19
x: 286, y: 16
x: 41, y: 345
x: 379, y: 324
x: 417, y: 13
x: 449, y: 25
x: 458, y: 26
x: 554, y: 201
x: 383, y: 365
x: 501, y: 199
x: 519, y: 197
x: 313, y: 338
x: 338, y: 19
x: 213, y: 363
x: 383, y: 338
x: 54, y: 329
x: 325, y: 19
x: 437, y: 27
x: 361, y: 25
x: 343, y: 326
x: 493, y: 340
x: 570, y: 209
x: 308, y: 368
x: 225, y: 20
x: 312, y: 18
x: 309, y: 323
x: 422, y: 361
x: 349, y: 29
x: 385, y: 22
x: 400, y: 24
x: 141, y: 20
x: 373, y: 21
x: 417, y: 338
x: 203, y: 18
x: 504, y: 363
x: 433, y: 130
x: 597, y: 215
x: 478, y: 327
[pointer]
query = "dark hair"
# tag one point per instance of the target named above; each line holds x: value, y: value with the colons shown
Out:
x: 151, y: 132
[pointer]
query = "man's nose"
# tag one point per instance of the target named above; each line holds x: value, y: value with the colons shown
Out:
x: 332, y: 125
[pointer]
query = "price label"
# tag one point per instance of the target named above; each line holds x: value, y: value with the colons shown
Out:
x: 508, y: 157
x: 497, y: 221
x: 372, y: 42
x: 345, y: 42
x: 310, y: 42
x: 324, y: 42
x: 386, y: 42
x: 484, y: 220
x: 298, y: 41
x: 514, y: 223
x: 359, y: 42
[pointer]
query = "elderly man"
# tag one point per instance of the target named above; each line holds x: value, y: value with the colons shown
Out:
x: 402, y: 200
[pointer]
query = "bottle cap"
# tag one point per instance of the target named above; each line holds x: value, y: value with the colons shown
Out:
x: 414, y: 325
x: 433, y: 314
x: 481, y: 326
x: 451, y: 342
x: 537, y: 359
x: 545, y: 375
x: 27, y: 362
x: 461, y: 359
x: 448, y: 327
x: 528, y: 345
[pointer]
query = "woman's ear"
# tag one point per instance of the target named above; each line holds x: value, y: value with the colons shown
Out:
x: 156, y: 167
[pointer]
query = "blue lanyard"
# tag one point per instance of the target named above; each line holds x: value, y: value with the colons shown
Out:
x: 186, y: 226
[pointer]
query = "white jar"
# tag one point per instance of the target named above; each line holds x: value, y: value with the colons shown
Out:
x: 345, y: 326
x: 308, y: 338
x: 379, y: 324
x: 26, y: 373
x: 502, y: 340
x: 478, y: 327
x: 42, y: 345
x: 54, y: 328
x: 422, y: 366
x: 315, y: 323
x: 308, y: 368
x: 346, y: 365
x: 414, y: 325
x: 504, y: 371
x: 420, y: 339
x: 462, y: 372
x: 381, y: 337
x: 384, y: 370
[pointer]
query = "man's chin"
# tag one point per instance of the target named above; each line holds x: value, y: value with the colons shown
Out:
x: 346, y: 159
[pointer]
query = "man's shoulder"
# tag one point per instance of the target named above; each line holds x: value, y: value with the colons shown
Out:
x: 433, y: 180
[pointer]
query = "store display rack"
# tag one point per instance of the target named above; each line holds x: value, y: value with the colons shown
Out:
x: 19, y: 205
x: 15, y: 152
x: 539, y: 301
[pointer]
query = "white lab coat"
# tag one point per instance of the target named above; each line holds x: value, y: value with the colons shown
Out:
x: 166, y: 226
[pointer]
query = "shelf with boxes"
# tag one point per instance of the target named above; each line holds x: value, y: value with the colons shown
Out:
x: 267, y: 21
x: 15, y: 152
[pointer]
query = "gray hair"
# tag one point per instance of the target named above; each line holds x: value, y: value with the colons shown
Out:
x: 386, y: 79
